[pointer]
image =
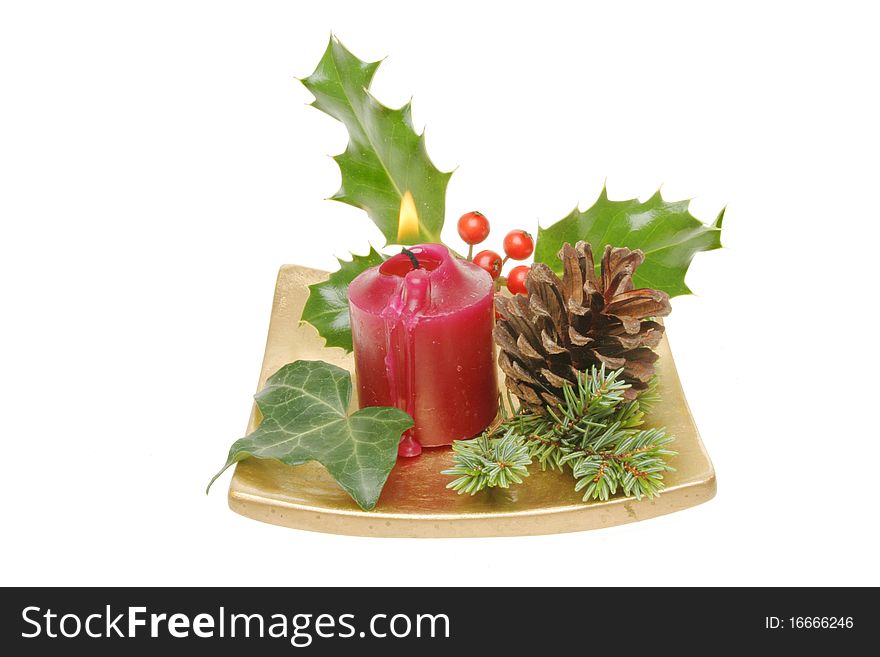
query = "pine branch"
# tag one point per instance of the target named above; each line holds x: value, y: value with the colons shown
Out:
x: 635, y: 464
x: 594, y: 432
x: 487, y: 462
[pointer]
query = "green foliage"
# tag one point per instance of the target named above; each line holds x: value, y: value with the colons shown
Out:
x: 305, y: 418
x: 595, y: 434
x: 486, y: 462
x: 666, y: 231
x: 327, y: 306
x: 385, y: 157
x: 634, y: 463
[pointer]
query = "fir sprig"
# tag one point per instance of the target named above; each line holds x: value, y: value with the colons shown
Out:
x: 486, y: 462
x: 595, y: 433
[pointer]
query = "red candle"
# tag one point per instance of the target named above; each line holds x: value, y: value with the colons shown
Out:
x: 423, y: 343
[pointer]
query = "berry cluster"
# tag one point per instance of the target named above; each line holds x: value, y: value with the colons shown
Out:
x: 473, y: 228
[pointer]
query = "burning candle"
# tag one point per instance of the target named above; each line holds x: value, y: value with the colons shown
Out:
x: 422, y: 331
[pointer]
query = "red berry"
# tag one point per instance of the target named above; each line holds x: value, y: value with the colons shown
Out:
x: 490, y: 261
x: 516, y: 279
x: 473, y: 227
x: 518, y: 244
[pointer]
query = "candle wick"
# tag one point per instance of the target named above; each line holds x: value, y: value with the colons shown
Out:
x: 412, y: 257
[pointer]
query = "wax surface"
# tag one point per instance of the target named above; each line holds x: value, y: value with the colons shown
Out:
x: 423, y: 343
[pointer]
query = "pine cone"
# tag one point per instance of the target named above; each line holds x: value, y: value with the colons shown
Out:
x: 563, y: 327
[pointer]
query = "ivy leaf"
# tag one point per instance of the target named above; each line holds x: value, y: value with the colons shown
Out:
x: 327, y: 306
x: 667, y: 233
x: 305, y: 418
x: 385, y: 158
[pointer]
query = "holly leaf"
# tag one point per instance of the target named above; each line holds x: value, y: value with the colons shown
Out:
x: 667, y: 233
x: 327, y: 306
x: 305, y: 418
x: 385, y: 158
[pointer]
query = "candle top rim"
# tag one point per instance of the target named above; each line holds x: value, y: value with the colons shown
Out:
x: 401, y: 264
x: 455, y: 284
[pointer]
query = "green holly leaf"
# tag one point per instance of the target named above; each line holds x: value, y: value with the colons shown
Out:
x: 385, y: 157
x: 667, y: 233
x: 305, y: 418
x: 327, y: 306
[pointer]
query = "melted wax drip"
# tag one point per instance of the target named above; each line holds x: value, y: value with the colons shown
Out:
x: 401, y: 317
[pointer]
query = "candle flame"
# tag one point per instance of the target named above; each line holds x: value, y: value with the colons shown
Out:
x: 408, y: 222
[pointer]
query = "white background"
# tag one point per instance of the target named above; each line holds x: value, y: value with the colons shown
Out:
x: 158, y: 163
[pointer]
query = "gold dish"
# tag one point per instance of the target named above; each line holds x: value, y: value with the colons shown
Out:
x: 415, y: 501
